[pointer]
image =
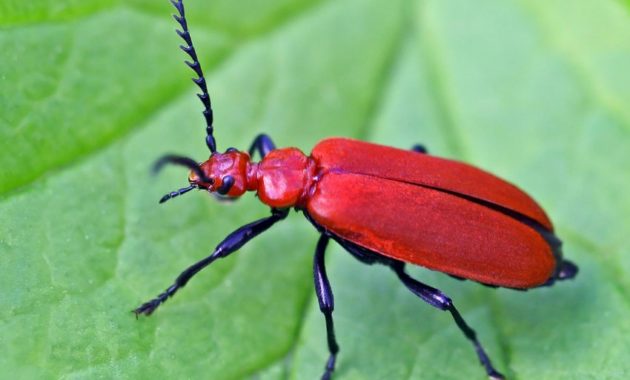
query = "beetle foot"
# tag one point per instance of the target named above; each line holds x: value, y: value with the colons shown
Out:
x: 148, y: 308
x: 330, y: 367
x: 494, y: 375
x: 327, y: 374
x: 568, y: 270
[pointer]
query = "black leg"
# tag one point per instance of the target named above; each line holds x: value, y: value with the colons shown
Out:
x: 231, y: 243
x: 436, y: 298
x: 419, y: 148
x: 567, y: 270
x: 261, y: 144
x: 326, y: 303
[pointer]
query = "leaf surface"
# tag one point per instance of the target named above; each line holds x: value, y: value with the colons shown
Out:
x: 91, y: 92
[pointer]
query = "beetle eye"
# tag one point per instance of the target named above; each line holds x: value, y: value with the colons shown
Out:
x: 226, y: 185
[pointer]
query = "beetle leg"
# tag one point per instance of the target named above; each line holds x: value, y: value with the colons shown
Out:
x: 261, y: 144
x: 436, y: 298
x: 326, y: 302
x: 567, y: 270
x: 362, y: 254
x: 419, y: 148
x: 231, y: 243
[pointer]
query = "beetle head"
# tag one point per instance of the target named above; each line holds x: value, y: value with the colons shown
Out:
x: 224, y: 174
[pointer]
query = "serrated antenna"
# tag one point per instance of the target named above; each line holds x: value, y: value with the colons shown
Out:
x: 196, y: 67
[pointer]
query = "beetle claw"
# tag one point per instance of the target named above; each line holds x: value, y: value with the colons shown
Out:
x: 147, y: 308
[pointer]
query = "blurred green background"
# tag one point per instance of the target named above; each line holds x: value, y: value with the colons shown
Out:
x: 92, y: 92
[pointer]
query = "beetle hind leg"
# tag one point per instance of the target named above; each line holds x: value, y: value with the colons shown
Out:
x: 420, y: 148
x: 432, y: 296
x: 436, y: 298
x: 567, y: 270
x: 326, y: 303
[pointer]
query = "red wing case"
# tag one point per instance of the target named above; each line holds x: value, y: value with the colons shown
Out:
x: 352, y: 156
x: 431, y: 228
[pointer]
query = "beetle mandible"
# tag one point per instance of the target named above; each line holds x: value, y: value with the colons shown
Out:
x: 382, y: 205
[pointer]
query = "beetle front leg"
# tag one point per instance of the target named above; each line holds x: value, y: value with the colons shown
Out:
x: 436, y: 298
x: 261, y: 144
x: 231, y: 243
x: 326, y: 303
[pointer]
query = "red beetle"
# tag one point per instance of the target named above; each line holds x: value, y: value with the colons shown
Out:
x: 385, y: 206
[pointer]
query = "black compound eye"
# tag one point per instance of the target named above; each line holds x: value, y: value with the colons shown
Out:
x: 226, y: 185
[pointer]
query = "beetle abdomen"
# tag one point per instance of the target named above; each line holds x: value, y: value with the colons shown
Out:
x: 340, y: 154
x: 431, y: 228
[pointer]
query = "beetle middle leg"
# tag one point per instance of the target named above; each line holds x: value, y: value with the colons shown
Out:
x: 432, y: 296
x: 261, y: 144
x: 436, y: 298
x: 326, y: 302
x: 231, y: 243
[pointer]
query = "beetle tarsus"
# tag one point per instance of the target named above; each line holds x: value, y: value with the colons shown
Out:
x: 330, y: 367
x: 149, y: 307
x: 496, y: 376
x: 567, y: 271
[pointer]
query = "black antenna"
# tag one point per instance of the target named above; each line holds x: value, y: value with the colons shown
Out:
x: 196, y: 66
x: 177, y: 193
x: 181, y: 161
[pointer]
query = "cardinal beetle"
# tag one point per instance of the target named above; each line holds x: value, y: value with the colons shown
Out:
x: 382, y: 205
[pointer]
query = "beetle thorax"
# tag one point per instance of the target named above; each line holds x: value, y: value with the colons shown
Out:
x: 282, y: 177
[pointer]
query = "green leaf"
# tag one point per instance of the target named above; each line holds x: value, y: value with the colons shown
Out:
x: 92, y: 92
